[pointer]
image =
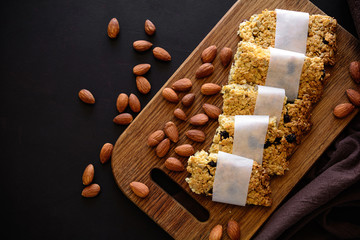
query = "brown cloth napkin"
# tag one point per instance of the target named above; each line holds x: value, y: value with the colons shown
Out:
x: 325, y: 204
x: 354, y: 6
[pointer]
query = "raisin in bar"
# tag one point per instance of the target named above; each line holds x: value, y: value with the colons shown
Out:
x: 251, y: 64
x: 202, y: 167
x: 321, y: 40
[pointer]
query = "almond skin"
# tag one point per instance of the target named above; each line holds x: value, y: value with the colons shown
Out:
x: 139, y: 189
x: 170, y: 95
x: 171, y: 131
x: 155, y: 138
x: 209, y: 54
x: 122, y: 102
x: 354, y: 96
x: 86, y: 96
x: 225, y: 56
x: 143, y: 85
x: 141, y: 69
x: 142, y: 45
x: 185, y: 150
x: 113, y: 28
x: 196, y: 135
x: 174, y: 164
x: 91, y: 190
x: 182, y: 85
x: 180, y: 114
x: 88, y: 174
x: 105, y: 152
x: 233, y: 230
x: 344, y: 109
x: 216, y: 233
x: 204, y: 70
x: 211, y: 110
x: 210, y: 89
x: 149, y: 27
x: 134, y: 103
x: 163, y: 148
x: 123, y: 119
x: 188, y: 99
x: 199, y: 119
x: 161, y: 54
x: 355, y: 71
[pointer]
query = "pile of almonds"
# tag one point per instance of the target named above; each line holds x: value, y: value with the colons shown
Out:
x: 344, y: 109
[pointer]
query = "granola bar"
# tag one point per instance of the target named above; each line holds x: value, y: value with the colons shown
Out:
x: 202, y: 167
x: 321, y: 41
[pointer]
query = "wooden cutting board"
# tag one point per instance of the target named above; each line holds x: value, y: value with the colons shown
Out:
x: 132, y: 160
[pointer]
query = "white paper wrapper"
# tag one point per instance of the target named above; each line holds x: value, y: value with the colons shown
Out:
x: 291, y: 30
x: 249, y: 136
x: 232, y: 179
x: 284, y: 71
x: 270, y: 102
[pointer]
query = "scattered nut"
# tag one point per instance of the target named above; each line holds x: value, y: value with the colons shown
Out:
x: 161, y: 54
x: 174, y: 164
x: 210, y: 89
x: 105, y: 152
x: 354, y: 96
x: 141, y: 69
x: 196, y: 135
x: 199, y: 119
x: 185, y: 150
x: 91, y: 190
x: 149, y: 27
x: 188, y: 99
x: 204, y: 70
x: 88, y: 174
x: 216, y: 233
x: 123, y: 119
x: 355, y: 71
x: 233, y: 230
x: 344, y: 109
x: 163, y: 148
x: 122, y: 102
x: 170, y: 95
x: 139, y: 189
x: 142, y: 45
x: 171, y: 131
x: 182, y: 85
x: 113, y: 28
x: 209, y: 54
x: 155, y: 138
x: 143, y: 85
x: 211, y: 110
x: 86, y: 96
x: 225, y: 56
x: 180, y: 114
x: 134, y: 103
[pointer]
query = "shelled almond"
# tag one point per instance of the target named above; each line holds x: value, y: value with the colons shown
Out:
x: 182, y: 85
x: 171, y: 131
x: 163, y: 147
x: 355, y: 71
x: 211, y: 110
x: 174, y: 164
x: 196, y: 135
x: 185, y: 150
x: 199, y: 119
x: 149, y: 27
x: 122, y: 102
x: 233, y: 230
x: 142, y: 45
x: 140, y: 189
x: 105, y: 152
x: 143, y: 85
x: 209, y: 54
x: 344, y: 109
x: 134, y: 103
x: 188, y: 99
x: 91, y: 190
x: 210, y: 89
x: 113, y: 28
x: 225, y: 56
x: 88, y: 174
x: 161, y: 54
x: 141, y: 69
x: 204, y: 70
x: 180, y: 114
x: 216, y: 233
x: 86, y: 96
x: 155, y: 138
x: 354, y: 96
x: 123, y: 119
x: 170, y: 95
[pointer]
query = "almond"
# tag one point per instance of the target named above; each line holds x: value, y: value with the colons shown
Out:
x: 170, y: 95
x: 123, y: 119
x: 143, y: 85
x: 122, y: 102
x: 343, y: 109
x: 233, y: 230
x: 149, y: 27
x: 355, y: 71
x: 139, y: 189
x: 210, y: 89
x: 163, y: 147
x: 185, y: 150
x: 182, y: 85
x: 88, y: 174
x: 196, y: 135
x: 113, y: 28
x: 105, y: 152
x: 142, y: 45
x: 180, y: 114
x: 86, y: 96
x: 216, y: 233
x: 91, y: 190
x: 199, y: 119
x: 141, y: 69
x: 174, y: 164
x: 211, y: 110
x: 204, y: 70
x: 171, y: 131
x: 161, y: 54
x: 155, y: 138
x: 188, y: 99
x: 209, y: 54
x: 354, y: 96
x: 225, y: 56
x: 134, y: 103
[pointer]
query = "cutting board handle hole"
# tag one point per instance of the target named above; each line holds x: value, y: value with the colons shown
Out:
x: 182, y: 197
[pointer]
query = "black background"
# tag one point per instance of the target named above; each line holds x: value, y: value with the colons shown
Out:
x: 49, y: 51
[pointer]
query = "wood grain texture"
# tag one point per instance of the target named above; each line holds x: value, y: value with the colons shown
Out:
x: 132, y: 159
